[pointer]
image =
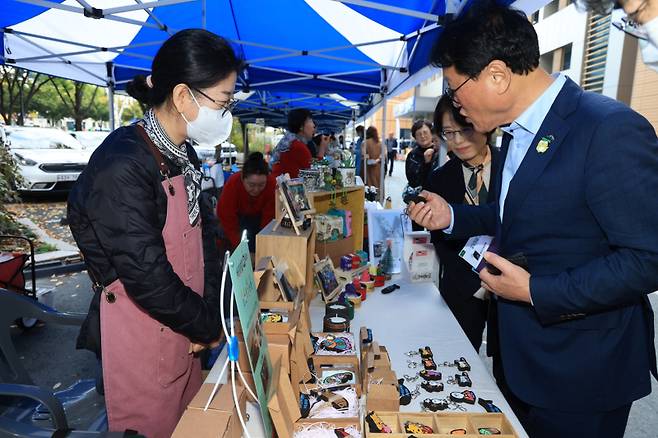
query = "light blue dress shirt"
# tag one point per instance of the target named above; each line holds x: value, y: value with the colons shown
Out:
x: 523, y: 130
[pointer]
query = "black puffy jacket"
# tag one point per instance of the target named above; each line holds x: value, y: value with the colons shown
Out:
x: 417, y: 169
x: 116, y: 211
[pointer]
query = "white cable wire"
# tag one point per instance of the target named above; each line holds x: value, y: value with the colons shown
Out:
x: 237, y: 404
x: 221, y: 317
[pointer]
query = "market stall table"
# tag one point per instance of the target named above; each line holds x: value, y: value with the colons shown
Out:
x: 412, y: 317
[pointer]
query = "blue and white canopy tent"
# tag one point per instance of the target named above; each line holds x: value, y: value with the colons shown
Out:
x: 339, y: 57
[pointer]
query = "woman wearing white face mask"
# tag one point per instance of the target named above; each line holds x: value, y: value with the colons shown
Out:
x: 147, y: 240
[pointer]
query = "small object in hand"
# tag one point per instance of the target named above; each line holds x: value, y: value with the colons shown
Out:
x: 488, y: 431
x: 376, y: 425
x: 426, y: 352
x: 518, y: 259
x: 429, y: 364
x: 462, y: 364
x: 389, y: 289
x: 430, y: 375
x: 463, y: 379
x: 415, y: 198
x: 432, y: 386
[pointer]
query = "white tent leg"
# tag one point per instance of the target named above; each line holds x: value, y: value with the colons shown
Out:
x: 384, y: 154
x: 110, y: 103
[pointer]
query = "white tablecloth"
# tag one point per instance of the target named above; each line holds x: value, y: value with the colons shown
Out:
x: 407, y: 319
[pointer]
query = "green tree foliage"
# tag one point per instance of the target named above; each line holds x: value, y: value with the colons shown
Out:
x: 9, y: 178
x: 61, y: 98
x: 133, y: 111
x: 18, y: 87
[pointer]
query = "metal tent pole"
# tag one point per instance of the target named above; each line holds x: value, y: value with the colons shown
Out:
x: 382, y: 167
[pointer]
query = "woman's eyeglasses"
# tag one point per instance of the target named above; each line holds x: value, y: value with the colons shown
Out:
x: 226, y: 106
x: 451, y: 135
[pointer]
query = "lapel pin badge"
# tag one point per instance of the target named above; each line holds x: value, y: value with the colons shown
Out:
x: 544, y: 143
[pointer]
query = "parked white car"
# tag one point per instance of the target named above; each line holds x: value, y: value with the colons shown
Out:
x: 49, y: 159
x: 208, y: 153
x: 90, y: 139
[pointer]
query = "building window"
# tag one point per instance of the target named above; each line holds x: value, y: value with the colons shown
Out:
x: 534, y: 18
x: 566, y: 58
x: 551, y: 8
x: 546, y: 61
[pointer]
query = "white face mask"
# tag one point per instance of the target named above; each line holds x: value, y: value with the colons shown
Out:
x: 210, y: 126
x: 649, y: 47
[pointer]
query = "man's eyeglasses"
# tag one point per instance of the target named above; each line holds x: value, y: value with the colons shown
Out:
x: 226, y: 106
x: 450, y: 135
x: 630, y: 25
x: 451, y: 93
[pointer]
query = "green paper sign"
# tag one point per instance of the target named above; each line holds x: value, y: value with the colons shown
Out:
x: 246, y: 298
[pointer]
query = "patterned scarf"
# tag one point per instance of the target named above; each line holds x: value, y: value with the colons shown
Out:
x: 179, y: 157
x: 284, y: 146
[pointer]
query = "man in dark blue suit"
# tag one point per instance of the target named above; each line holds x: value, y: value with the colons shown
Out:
x: 577, y: 198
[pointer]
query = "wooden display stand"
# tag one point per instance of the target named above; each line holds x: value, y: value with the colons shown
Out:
x: 296, y: 250
x: 321, y: 203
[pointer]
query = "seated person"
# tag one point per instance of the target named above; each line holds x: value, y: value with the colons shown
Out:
x: 247, y: 201
x: 292, y: 153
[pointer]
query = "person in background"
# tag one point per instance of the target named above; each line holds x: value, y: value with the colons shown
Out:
x: 421, y: 159
x: 391, y: 152
x: 148, y: 241
x: 358, y: 150
x: 463, y: 180
x: 322, y: 145
x: 641, y: 22
x: 292, y: 153
x: 247, y: 201
x: 373, y: 158
x: 341, y: 142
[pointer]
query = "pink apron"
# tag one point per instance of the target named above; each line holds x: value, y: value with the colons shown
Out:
x: 148, y: 372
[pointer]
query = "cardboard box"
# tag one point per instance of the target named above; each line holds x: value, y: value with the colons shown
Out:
x: 293, y: 310
x: 279, y: 347
x: 383, y: 397
x: 265, y: 280
x: 221, y: 418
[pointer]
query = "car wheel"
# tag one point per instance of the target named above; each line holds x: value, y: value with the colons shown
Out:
x: 26, y: 323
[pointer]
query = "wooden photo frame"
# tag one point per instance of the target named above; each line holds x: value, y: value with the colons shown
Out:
x: 328, y: 281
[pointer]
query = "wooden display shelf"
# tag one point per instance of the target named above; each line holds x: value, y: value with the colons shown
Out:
x: 321, y: 202
x: 444, y: 422
x: 297, y: 251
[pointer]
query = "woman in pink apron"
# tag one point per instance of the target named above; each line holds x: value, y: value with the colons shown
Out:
x: 148, y: 238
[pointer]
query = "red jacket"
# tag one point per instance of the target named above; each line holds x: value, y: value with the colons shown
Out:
x: 235, y: 201
x: 296, y: 158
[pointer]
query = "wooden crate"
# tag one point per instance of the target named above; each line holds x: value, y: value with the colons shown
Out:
x: 297, y: 251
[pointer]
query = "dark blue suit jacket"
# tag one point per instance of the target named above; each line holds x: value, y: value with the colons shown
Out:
x: 585, y: 214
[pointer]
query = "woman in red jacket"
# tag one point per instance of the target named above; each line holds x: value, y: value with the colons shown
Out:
x: 247, y: 201
x: 292, y: 153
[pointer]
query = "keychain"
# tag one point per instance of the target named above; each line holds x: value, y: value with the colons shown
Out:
x: 463, y: 379
x: 409, y: 378
x: 405, y: 394
x: 488, y: 431
x: 488, y: 405
x: 376, y: 425
x: 429, y: 364
x: 411, y: 353
x: 432, y: 386
x: 462, y: 364
x: 430, y: 375
x: 412, y: 364
x: 435, y: 404
x: 426, y: 353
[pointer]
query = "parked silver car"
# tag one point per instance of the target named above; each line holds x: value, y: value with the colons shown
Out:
x: 49, y: 159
